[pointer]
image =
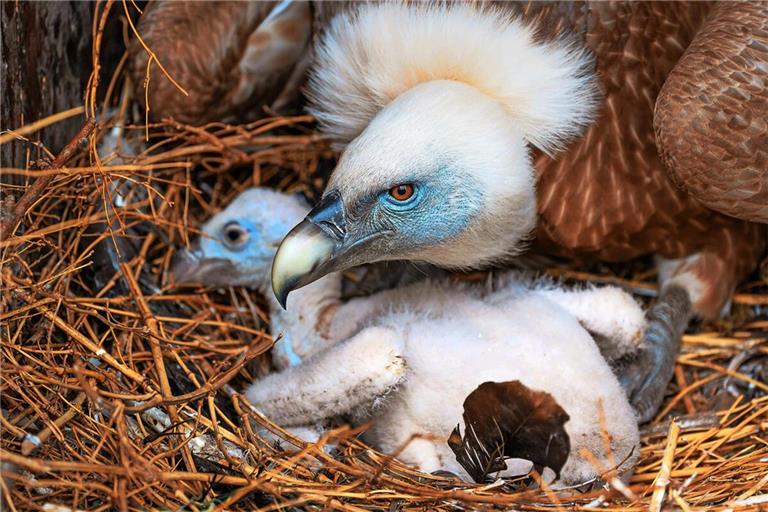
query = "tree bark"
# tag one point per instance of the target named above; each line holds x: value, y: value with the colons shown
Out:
x: 46, y: 61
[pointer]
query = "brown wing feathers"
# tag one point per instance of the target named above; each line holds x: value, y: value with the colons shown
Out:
x: 712, y: 115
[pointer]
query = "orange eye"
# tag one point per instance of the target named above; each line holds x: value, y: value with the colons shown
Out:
x: 401, y: 192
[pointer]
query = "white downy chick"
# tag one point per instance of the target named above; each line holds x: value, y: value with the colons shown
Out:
x: 411, y: 369
x: 406, y: 359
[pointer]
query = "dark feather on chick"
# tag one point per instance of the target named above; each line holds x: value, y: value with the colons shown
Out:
x: 509, y: 420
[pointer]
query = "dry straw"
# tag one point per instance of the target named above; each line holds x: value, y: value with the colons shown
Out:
x: 120, y: 392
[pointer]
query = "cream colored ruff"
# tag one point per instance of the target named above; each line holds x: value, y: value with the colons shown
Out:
x: 369, y: 57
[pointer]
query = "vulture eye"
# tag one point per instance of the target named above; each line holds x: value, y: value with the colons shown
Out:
x: 235, y: 235
x: 402, y: 192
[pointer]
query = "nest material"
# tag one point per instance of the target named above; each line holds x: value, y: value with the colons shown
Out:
x: 121, y: 392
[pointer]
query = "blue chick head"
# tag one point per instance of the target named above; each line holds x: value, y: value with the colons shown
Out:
x: 237, y: 244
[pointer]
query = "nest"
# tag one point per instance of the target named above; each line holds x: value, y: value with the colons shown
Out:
x: 122, y: 392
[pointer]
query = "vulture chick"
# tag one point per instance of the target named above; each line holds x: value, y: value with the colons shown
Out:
x: 439, y: 108
x: 236, y: 248
x: 408, y: 359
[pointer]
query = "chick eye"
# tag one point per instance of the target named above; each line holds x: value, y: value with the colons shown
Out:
x: 235, y: 235
x: 401, y: 192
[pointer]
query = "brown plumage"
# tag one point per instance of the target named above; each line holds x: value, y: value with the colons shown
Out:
x: 232, y: 58
x: 510, y: 420
x: 711, y: 121
x: 614, y: 176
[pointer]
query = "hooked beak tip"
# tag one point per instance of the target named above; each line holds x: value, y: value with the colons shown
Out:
x: 299, y: 259
x: 281, y: 295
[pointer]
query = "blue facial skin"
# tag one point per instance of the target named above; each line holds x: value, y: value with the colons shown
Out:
x: 440, y: 208
x: 250, y: 253
x: 252, y: 259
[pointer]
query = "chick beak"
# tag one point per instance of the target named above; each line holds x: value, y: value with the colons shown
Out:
x: 191, y: 266
x: 309, y: 251
x: 186, y: 265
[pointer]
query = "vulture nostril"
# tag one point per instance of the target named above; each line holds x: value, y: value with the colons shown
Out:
x: 328, y: 215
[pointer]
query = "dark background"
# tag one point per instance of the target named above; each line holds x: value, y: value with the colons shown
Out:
x: 46, y: 61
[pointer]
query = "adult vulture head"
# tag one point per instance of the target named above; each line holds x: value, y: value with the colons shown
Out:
x: 439, y: 107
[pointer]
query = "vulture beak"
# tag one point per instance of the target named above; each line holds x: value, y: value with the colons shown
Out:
x: 190, y: 266
x: 317, y: 246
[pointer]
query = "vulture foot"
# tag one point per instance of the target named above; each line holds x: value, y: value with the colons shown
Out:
x: 646, y: 376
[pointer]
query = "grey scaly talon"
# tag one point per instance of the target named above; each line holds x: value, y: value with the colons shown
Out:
x: 646, y: 376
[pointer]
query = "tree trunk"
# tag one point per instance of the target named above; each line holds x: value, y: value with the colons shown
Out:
x: 46, y: 61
